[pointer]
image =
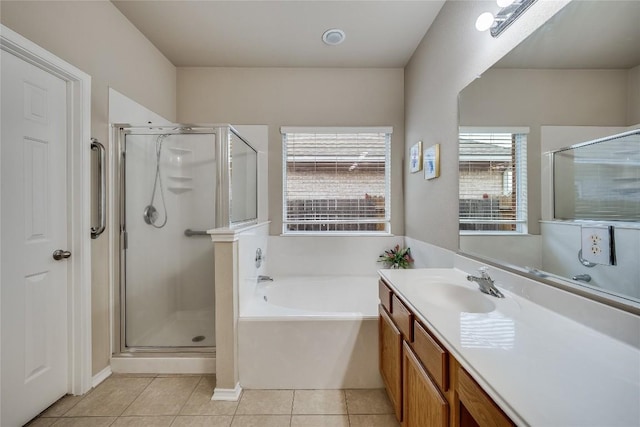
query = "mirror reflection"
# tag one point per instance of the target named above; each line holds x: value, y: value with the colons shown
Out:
x: 576, y: 79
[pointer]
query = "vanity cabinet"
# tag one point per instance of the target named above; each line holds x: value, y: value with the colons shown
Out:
x: 390, y: 349
x: 476, y: 407
x: 426, y: 385
x: 423, y: 404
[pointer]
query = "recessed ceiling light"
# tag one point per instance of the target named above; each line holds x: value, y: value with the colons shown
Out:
x: 333, y: 37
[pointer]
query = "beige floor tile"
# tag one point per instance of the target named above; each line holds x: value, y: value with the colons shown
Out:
x: 265, y: 402
x: 370, y: 401
x: 115, y: 375
x: 61, y: 406
x: 164, y: 396
x: 41, y: 422
x: 200, y: 402
x: 202, y: 421
x: 261, y: 421
x: 110, y: 398
x: 319, y: 402
x: 320, y: 421
x: 177, y: 375
x: 387, y: 420
x: 84, y: 422
x: 162, y: 421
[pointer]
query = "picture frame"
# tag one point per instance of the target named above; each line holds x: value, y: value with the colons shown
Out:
x: 415, y: 157
x: 432, y: 162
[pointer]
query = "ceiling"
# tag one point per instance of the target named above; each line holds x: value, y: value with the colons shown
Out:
x: 584, y: 34
x: 270, y: 33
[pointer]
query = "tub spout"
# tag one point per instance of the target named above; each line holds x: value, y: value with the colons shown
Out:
x: 265, y: 279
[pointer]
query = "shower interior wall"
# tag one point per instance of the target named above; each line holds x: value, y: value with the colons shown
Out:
x: 169, y: 276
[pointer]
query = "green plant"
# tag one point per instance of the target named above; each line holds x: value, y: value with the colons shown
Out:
x: 397, y: 258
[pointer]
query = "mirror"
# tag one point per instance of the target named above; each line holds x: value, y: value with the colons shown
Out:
x: 575, y: 79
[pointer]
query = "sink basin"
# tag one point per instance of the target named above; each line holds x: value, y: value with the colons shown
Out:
x: 454, y: 297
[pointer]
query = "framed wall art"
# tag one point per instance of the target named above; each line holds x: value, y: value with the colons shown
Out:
x: 432, y: 162
x: 415, y: 157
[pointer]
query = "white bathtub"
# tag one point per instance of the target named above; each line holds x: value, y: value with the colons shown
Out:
x: 310, y: 333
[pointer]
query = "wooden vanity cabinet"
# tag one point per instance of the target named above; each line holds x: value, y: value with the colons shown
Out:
x: 390, y: 355
x: 425, y: 383
x: 476, y: 407
x: 423, y: 403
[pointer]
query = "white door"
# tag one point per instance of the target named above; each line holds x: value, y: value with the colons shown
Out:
x: 34, y: 225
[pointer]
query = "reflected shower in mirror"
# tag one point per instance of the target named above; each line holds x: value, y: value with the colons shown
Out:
x: 576, y: 79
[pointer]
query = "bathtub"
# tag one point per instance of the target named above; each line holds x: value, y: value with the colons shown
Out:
x: 310, y: 333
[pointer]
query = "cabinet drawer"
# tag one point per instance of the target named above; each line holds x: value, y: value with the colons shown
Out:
x: 478, y: 404
x: 402, y: 317
x: 432, y: 355
x: 385, y: 295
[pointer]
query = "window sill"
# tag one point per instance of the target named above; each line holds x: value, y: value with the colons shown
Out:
x: 494, y: 233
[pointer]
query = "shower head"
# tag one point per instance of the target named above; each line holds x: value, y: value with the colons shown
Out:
x: 150, y: 215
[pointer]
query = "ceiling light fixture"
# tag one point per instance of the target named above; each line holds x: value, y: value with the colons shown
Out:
x: 509, y: 12
x: 484, y: 21
x: 333, y: 36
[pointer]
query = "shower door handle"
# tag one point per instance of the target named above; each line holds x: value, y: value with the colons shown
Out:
x: 102, y: 196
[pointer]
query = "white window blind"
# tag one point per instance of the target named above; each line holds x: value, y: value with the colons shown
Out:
x: 336, y: 180
x: 493, y: 181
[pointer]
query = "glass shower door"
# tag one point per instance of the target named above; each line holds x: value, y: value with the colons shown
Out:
x: 169, y: 201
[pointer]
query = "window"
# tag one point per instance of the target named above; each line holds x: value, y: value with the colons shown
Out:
x: 336, y: 180
x: 493, y: 180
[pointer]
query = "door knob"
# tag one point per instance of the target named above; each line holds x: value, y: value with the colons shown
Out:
x: 60, y: 254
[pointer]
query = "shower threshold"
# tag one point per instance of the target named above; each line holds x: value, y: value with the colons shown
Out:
x: 145, y: 362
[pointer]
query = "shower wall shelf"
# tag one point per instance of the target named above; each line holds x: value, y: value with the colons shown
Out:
x: 180, y: 184
x: 179, y: 160
x: 179, y: 190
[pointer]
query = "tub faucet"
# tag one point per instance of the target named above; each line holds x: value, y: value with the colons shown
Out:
x: 265, y: 279
x: 486, y: 283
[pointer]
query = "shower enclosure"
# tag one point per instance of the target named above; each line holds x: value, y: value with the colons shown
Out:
x: 174, y: 183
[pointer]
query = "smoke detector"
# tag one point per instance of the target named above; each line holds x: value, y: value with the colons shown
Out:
x: 333, y: 36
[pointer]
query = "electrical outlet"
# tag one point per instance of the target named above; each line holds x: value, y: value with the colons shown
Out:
x: 597, y: 244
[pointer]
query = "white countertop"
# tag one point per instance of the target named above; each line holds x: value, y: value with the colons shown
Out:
x: 541, y: 368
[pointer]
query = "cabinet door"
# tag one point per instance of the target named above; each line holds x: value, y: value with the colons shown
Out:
x: 424, y: 405
x: 476, y: 407
x: 390, y: 347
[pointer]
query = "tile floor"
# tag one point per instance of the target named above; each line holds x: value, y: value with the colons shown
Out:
x: 185, y: 400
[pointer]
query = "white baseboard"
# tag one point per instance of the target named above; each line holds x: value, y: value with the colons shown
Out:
x: 101, y: 376
x: 228, y: 394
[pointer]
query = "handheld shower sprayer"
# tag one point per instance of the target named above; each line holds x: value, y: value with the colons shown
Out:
x: 150, y: 213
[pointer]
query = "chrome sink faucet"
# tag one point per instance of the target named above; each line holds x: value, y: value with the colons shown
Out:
x: 486, y: 283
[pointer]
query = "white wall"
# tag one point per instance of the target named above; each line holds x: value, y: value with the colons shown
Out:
x: 95, y: 37
x: 299, y: 97
x: 633, y: 109
x: 327, y: 255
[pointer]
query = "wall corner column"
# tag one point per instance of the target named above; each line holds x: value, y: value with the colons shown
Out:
x: 226, y: 316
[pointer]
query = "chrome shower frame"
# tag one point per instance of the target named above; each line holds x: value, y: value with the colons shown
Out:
x: 220, y: 132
